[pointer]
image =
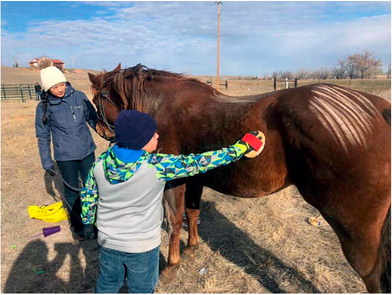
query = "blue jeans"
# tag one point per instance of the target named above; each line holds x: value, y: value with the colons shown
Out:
x: 140, y: 270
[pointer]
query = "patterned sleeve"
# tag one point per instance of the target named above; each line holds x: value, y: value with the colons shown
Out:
x: 89, y: 198
x: 171, y: 167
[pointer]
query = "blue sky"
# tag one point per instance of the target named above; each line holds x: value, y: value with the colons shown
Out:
x: 257, y: 37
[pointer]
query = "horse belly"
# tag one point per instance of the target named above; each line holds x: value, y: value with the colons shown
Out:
x: 250, y: 178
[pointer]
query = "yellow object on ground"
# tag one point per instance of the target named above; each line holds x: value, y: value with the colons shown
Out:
x: 315, y: 221
x: 50, y: 213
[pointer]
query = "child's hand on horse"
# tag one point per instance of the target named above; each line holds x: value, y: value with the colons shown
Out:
x: 252, y: 143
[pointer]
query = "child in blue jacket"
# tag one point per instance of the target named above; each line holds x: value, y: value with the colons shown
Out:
x: 125, y: 188
x: 61, y: 117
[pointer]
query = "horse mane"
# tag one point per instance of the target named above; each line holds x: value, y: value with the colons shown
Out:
x: 132, y: 84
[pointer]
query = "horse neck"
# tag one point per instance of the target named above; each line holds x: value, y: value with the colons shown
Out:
x: 201, y: 103
x: 169, y: 97
x: 176, y: 92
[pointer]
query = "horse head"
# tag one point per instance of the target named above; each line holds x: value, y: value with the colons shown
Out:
x: 122, y: 89
x: 108, y: 108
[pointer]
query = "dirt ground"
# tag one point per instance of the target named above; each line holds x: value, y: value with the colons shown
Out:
x: 260, y: 245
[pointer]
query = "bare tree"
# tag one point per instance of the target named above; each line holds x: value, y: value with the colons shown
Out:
x: 277, y: 74
x: 322, y: 73
x: 303, y: 74
x: 351, y: 67
x: 363, y: 65
x: 289, y: 75
x: 340, y: 70
x: 366, y: 64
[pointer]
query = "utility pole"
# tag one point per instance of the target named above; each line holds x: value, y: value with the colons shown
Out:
x: 218, y: 3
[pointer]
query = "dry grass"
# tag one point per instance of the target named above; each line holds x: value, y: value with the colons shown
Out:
x: 247, y: 246
x: 264, y: 245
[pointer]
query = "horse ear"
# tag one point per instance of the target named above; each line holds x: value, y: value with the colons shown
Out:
x: 118, y: 67
x: 94, y: 79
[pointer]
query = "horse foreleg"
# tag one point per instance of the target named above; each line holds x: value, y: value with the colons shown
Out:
x: 174, y: 205
x: 192, y: 201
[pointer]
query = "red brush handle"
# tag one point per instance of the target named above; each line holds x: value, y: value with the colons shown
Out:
x: 253, y: 141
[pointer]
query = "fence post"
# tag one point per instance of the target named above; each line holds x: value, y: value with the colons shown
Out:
x: 295, y: 82
x: 286, y: 83
x: 29, y: 91
x: 4, y: 93
x: 275, y: 83
x: 21, y: 92
x: 226, y: 85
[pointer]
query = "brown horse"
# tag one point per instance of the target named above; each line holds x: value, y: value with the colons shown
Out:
x: 332, y: 142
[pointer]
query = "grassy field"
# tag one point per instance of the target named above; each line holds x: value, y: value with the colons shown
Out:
x: 260, y: 245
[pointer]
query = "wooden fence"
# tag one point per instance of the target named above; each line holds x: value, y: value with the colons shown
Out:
x: 17, y: 91
x: 285, y: 83
x: 223, y: 83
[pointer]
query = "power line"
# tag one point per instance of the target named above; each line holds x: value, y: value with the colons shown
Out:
x: 218, y: 3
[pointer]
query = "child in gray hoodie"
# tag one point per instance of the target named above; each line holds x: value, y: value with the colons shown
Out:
x: 125, y: 187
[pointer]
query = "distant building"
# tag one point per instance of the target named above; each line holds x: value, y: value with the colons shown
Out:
x: 34, y: 63
x: 56, y: 62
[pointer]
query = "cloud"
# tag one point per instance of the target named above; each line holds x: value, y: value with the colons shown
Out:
x: 256, y: 37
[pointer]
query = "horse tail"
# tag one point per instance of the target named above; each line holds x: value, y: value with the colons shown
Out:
x: 387, y: 116
x: 385, y: 254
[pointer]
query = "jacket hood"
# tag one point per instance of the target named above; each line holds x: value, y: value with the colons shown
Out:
x: 116, y: 170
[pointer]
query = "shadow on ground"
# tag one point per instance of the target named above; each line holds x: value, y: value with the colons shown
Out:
x: 34, y: 273
x: 220, y: 234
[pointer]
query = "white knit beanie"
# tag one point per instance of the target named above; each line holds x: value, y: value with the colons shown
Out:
x: 50, y: 75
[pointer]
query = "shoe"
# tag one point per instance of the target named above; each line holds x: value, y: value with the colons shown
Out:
x: 78, y: 236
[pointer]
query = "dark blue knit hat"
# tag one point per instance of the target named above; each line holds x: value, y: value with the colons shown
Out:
x: 134, y: 129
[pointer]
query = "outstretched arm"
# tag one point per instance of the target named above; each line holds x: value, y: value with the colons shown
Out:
x: 171, y: 167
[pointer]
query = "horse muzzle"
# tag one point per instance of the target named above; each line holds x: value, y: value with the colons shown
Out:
x: 104, y: 132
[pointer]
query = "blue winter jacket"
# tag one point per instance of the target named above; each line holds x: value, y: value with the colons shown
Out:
x: 67, y: 126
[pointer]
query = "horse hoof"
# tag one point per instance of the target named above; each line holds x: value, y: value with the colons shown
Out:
x: 169, y: 273
x: 189, y: 252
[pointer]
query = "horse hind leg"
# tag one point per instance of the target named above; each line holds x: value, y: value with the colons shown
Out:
x: 385, y: 251
x: 367, y: 248
x: 193, y: 194
x: 380, y: 278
